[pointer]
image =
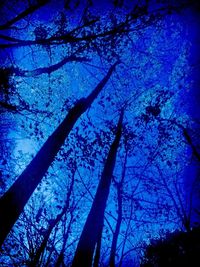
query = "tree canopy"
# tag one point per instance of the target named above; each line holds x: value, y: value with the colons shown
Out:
x: 77, y: 182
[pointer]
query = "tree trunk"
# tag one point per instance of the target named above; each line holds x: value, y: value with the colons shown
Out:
x: 117, y: 228
x: 89, y: 237
x: 13, y: 201
x: 119, y: 217
x: 98, y: 249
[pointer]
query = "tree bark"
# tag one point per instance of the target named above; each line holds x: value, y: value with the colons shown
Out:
x: 98, y: 249
x: 13, y: 201
x: 119, y: 217
x: 117, y: 229
x: 89, y: 237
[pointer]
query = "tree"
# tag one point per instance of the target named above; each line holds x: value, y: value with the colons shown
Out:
x: 98, y: 248
x: 32, y: 8
x: 174, y: 249
x: 119, y: 215
x: 57, y: 57
x: 14, y: 200
x: 93, y: 226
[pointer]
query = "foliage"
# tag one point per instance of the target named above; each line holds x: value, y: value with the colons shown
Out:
x: 174, y: 249
x: 53, y: 55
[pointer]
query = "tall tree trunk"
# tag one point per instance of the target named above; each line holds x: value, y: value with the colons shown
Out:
x: 119, y: 217
x: 13, y: 201
x: 98, y: 249
x: 117, y: 228
x: 89, y: 237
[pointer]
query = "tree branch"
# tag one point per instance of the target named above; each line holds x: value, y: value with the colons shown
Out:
x: 24, y: 14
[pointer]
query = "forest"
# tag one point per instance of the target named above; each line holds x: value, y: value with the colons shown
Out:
x: 99, y: 133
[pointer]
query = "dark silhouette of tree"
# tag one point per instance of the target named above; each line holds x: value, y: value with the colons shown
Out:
x: 138, y: 10
x: 175, y: 249
x: 14, y: 200
x: 8, y: 106
x: 47, y: 70
x: 98, y: 248
x: 119, y: 215
x: 36, y: 49
x: 93, y: 226
x: 28, y: 11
